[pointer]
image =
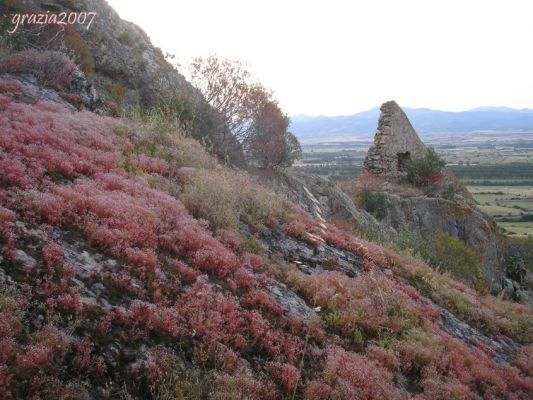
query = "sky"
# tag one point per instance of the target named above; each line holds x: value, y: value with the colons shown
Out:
x: 339, y: 57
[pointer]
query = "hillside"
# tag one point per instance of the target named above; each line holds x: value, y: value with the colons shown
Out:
x: 121, y: 63
x: 135, y: 265
x: 425, y: 121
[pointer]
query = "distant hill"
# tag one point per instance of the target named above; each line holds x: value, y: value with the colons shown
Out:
x: 363, y: 125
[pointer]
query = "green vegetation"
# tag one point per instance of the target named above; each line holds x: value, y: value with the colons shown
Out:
x: 511, y: 206
x: 425, y: 171
x: 513, y: 171
x: 456, y: 257
x: 444, y: 253
x: 417, y: 244
x: 376, y: 203
x: 524, y: 247
x: 227, y: 197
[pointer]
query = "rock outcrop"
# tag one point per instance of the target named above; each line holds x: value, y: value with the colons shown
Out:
x: 427, y: 215
x: 123, y: 65
x: 60, y: 81
x: 316, y: 195
x: 117, y: 54
x: 395, y: 143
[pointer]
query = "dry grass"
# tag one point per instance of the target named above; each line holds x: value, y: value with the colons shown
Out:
x: 220, y: 195
x: 225, y: 197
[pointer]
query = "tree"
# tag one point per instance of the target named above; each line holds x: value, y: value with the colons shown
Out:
x: 248, y: 110
x: 271, y: 145
x: 228, y: 88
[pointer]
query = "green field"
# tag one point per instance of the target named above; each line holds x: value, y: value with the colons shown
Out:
x: 517, y: 228
x: 509, y: 205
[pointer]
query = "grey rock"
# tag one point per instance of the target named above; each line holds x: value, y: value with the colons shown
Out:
x: 81, y: 260
x: 303, y: 189
x: 508, y: 289
x: 458, y: 218
x: 504, y: 349
x: 290, y: 301
x: 111, y: 354
x: 31, y: 91
x: 37, y: 322
x: 306, y: 257
x: 22, y: 257
x: 524, y: 297
x: 5, y: 279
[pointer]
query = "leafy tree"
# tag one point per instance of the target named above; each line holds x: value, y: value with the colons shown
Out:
x: 271, y: 144
x: 228, y: 87
x: 249, y: 113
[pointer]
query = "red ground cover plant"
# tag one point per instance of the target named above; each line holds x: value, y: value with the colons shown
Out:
x: 368, y: 181
x: 51, y: 68
x: 371, y: 309
x: 349, y: 376
x: 65, y: 169
x: 9, y: 85
x: 174, y: 291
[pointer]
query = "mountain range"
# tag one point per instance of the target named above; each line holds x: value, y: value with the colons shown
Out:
x: 362, y: 125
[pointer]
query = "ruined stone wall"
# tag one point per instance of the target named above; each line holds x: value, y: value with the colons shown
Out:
x: 395, y: 143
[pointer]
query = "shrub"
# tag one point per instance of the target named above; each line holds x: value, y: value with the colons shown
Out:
x: 78, y: 144
x: 370, y: 304
x: 350, y: 376
x: 215, y: 198
x: 524, y: 360
x: 376, y: 203
x: 446, y: 253
x: 286, y: 374
x: 9, y: 85
x: 369, y: 182
x: 456, y: 257
x: 63, y: 38
x: 419, y: 245
x: 426, y: 171
x: 51, y: 68
x: 148, y: 164
x: 242, y: 387
x: 446, y: 368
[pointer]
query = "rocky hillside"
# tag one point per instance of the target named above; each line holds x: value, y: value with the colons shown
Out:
x: 134, y: 265
x: 441, y: 203
x: 120, y: 61
x: 116, y: 54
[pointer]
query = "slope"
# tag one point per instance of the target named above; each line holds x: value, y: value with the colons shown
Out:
x: 133, y: 265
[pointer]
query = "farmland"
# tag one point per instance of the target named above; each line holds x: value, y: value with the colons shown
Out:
x: 497, y: 169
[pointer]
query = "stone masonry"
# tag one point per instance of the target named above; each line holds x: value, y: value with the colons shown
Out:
x: 395, y: 143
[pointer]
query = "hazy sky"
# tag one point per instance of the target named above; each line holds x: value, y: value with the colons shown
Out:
x: 334, y: 57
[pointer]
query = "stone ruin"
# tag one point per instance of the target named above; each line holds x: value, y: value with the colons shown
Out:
x: 395, y: 144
